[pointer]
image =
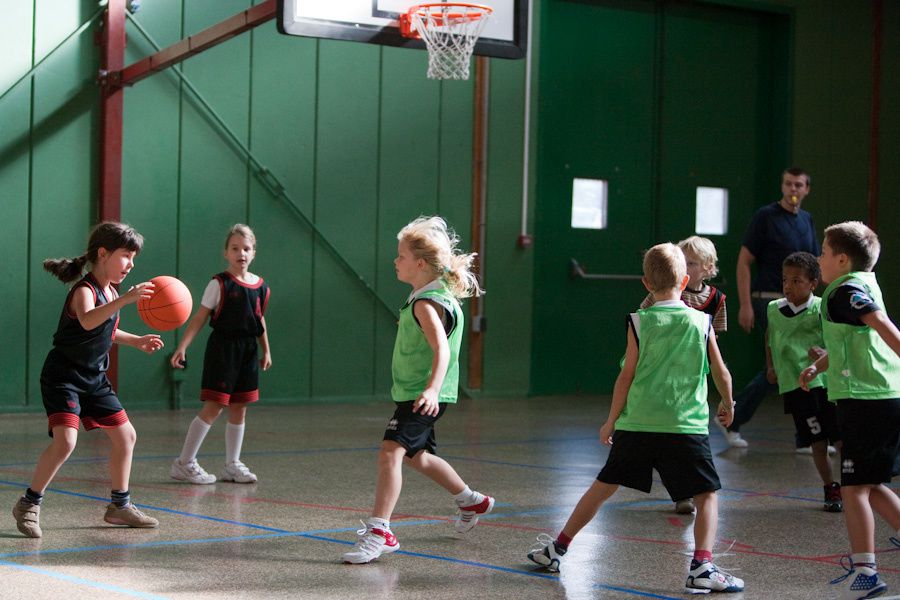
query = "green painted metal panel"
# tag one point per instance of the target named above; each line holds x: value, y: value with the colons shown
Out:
x: 507, y: 272
x: 596, y: 116
x: 696, y: 112
x: 150, y: 200
x: 15, y: 149
x: 346, y: 201
x: 717, y: 110
x: 284, y: 75
x: 64, y: 168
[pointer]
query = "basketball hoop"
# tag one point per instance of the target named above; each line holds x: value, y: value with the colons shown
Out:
x: 449, y: 30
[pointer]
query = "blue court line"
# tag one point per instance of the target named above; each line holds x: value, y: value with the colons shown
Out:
x: 315, y: 535
x: 79, y: 581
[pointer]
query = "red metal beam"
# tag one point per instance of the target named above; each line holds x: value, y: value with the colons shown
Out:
x: 197, y: 43
x: 111, y: 110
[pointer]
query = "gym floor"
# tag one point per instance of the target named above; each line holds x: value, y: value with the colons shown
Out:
x: 283, y: 536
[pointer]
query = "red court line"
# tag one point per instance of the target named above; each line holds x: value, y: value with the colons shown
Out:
x: 737, y: 548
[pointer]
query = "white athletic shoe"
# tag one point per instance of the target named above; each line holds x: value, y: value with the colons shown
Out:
x: 708, y: 578
x: 467, y: 516
x: 371, y: 544
x: 191, y: 472
x: 807, y: 450
x: 546, y: 553
x: 238, y: 473
x: 733, y: 438
x: 858, y: 583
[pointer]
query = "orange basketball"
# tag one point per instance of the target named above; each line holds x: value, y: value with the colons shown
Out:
x: 169, y: 306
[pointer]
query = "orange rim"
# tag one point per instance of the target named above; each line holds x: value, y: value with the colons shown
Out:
x: 425, y: 10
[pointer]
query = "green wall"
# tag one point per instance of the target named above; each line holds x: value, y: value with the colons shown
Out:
x: 362, y: 143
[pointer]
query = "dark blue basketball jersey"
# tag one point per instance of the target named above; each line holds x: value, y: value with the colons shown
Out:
x: 241, y: 306
x: 86, y: 349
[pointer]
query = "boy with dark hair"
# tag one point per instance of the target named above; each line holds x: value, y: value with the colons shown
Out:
x: 669, y: 346
x: 862, y: 359
x: 792, y: 339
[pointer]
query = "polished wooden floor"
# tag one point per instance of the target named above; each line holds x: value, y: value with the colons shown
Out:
x: 283, y: 536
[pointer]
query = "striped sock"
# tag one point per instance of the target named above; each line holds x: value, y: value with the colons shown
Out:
x: 33, y: 497
x: 120, y: 498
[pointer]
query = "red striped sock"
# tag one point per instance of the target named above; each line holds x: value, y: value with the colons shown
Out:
x: 702, y: 556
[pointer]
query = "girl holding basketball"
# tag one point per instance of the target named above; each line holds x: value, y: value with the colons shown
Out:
x: 74, y: 385
x: 425, y: 369
x: 234, y: 303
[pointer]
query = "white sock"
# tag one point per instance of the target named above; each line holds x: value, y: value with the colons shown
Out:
x: 234, y: 438
x: 194, y: 438
x: 467, y: 497
x: 863, y: 558
x: 378, y: 523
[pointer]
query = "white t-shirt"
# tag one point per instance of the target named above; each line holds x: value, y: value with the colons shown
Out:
x: 212, y: 293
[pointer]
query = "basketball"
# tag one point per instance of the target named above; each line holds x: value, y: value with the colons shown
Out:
x: 169, y: 307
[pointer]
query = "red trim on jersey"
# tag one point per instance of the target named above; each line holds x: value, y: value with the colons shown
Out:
x: 64, y: 419
x: 251, y: 286
x: 266, y: 299
x: 238, y: 397
x: 214, y: 396
x: 112, y: 421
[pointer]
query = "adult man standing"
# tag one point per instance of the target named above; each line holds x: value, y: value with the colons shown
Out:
x: 777, y: 230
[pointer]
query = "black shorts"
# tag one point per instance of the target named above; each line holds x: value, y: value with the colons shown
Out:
x: 411, y: 430
x: 683, y: 461
x: 871, y: 440
x: 71, y: 396
x: 230, y: 370
x: 815, y: 418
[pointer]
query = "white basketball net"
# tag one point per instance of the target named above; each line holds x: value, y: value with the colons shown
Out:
x: 450, y: 33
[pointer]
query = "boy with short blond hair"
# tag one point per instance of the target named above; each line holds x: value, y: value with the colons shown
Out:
x: 669, y: 346
x: 862, y: 360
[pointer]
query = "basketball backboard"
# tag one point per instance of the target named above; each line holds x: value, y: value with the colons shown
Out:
x: 376, y: 22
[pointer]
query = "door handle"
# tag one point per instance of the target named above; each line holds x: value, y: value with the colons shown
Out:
x: 577, y: 272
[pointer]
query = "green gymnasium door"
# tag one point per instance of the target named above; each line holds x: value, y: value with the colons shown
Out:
x: 656, y: 98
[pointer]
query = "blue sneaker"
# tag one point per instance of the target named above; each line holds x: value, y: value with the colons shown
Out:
x: 858, y: 583
x: 707, y: 578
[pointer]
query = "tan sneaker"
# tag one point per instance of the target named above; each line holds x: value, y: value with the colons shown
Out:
x: 28, y: 517
x: 128, y: 515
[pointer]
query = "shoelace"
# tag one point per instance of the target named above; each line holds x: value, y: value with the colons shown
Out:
x: 194, y: 468
x: 241, y: 467
x: 846, y: 564
x: 543, y: 540
x: 367, y: 540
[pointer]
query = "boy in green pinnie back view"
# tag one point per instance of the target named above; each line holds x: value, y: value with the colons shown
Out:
x: 793, y: 338
x: 862, y: 360
x: 659, y: 419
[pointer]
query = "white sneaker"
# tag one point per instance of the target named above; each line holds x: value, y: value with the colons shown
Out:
x: 191, y: 472
x: 467, y: 516
x: 707, y: 578
x: 371, y: 544
x: 238, y: 473
x: 733, y: 438
x: 546, y: 553
x: 808, y: 451
x: 859, y: 582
